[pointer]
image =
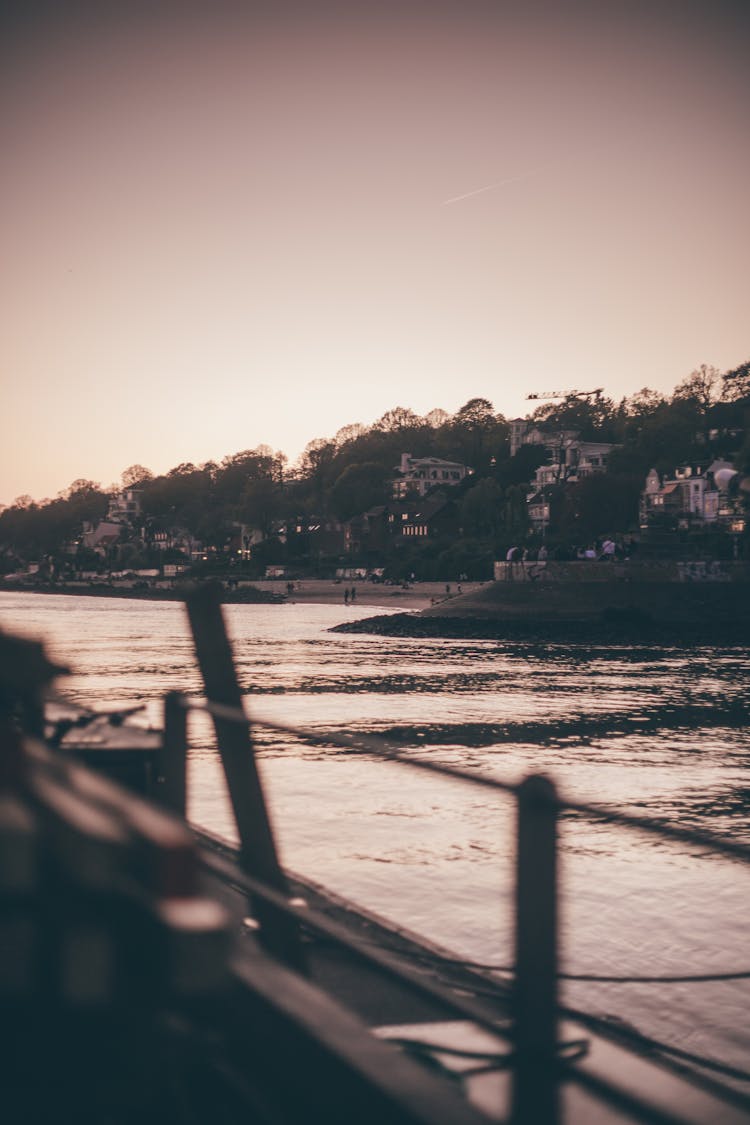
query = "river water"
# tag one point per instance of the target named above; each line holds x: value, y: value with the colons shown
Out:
x: 656, y: 731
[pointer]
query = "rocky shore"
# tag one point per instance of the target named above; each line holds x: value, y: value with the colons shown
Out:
x: 657, y: 612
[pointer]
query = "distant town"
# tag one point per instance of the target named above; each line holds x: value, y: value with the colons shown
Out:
x: 439, y: 497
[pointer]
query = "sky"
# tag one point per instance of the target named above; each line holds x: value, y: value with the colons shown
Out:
x: 229, y: 224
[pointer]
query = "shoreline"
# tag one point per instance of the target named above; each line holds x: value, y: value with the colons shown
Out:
x: 580, y: 612
x: 130, y: 594
x: 540, y: 631
x: 313, y: 591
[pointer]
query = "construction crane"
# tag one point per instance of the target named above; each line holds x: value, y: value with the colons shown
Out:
x: 596, y: 394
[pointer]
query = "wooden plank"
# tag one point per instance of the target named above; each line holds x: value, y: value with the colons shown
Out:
x: 322, y: 1064
x: 258, y: 856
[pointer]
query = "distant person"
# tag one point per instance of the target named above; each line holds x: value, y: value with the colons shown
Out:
x: 448, y: 589
x: 346, y: 596
x: 354, y: 594
x: 542, y: 553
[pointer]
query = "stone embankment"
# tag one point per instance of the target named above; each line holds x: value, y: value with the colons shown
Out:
x: 640, y: 606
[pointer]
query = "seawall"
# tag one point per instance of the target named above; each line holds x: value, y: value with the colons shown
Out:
x: 595, y: 600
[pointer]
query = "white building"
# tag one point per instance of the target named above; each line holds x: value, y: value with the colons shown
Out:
x: 572, y: 460
x: 694, y: 494
x: 420, y: 474
x: 125, y: 505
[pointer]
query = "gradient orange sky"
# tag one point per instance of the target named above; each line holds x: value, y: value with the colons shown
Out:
x: 226, y: 225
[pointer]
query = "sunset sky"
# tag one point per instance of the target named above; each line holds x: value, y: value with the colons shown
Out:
x: 233, y: 224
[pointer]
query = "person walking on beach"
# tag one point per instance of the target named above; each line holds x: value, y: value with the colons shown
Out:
x: 346, y: 595
x: 353, y: 594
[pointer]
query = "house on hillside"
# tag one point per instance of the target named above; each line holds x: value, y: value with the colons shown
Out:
x: 538, y: 509
x: 570, y: 460
x: 101, y: 536
x: 389, y: 525
x: 311, y: 536
x: 125, y: 506
x: 160, y: 535
x: 525, y: 432
x: 417, y: 475
x: 693, y: 496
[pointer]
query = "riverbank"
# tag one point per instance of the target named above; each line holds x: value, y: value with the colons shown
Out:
x: 660, y: 612
x: 311, y: 591
x: 244, y: 595
x: 415, y: 596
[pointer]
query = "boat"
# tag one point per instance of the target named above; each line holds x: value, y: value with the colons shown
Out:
x: 153, y: 972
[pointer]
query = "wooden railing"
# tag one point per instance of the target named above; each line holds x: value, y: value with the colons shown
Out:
x: 116, y: 962
x: 538, y: 1058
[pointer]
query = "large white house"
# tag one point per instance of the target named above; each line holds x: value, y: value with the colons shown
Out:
x: 572, y: 460
x: 125, y: 505
x: 420, y: 474
x: 694, y: 494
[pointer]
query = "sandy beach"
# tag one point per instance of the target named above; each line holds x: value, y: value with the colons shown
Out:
x: 311, y: 591
x: 421, y: 595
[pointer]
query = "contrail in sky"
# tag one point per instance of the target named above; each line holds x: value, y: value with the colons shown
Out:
x: 596, y: 150
x: 489, y: 187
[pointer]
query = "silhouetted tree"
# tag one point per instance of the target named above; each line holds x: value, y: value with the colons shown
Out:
x: 736, y: 383
x: 135, y: 475
x: 358, y: 488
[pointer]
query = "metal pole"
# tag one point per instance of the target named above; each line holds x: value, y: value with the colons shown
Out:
x: 535, y: 1092
x: 172, y: 779
x: 258, y: 855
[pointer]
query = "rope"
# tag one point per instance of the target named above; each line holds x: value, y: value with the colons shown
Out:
x: 688, y: 978
x: 598, y: 1023
x: 600, y: 978
x: 380, y: 747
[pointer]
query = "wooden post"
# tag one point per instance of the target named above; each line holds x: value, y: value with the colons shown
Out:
x: 278, y: 932
x: 172, y: 762
x: 535, y: 1077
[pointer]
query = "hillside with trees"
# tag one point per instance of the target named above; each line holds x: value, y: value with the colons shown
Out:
x: 338, y: 478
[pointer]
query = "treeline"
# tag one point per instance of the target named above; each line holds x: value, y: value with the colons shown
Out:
x: 339, y: 477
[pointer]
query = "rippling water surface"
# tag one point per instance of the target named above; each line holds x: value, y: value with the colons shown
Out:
x: 658, y: 731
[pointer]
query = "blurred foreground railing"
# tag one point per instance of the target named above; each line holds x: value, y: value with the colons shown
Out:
x: 538, y: 1061
x: 126, y: 992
